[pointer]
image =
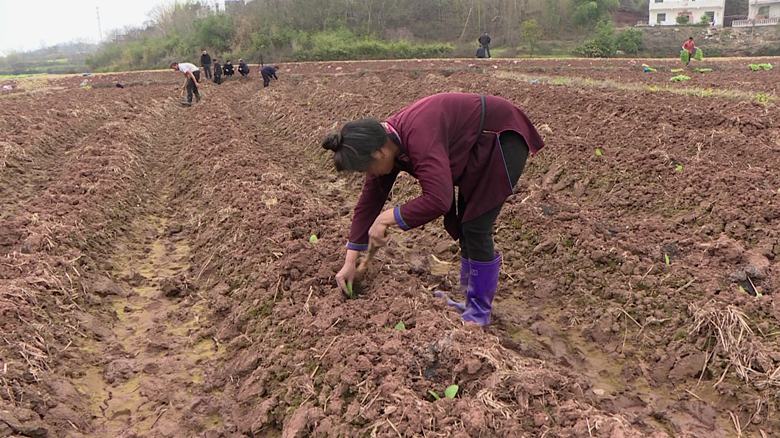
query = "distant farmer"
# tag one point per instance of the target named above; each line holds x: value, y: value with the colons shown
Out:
x: 690, y: 46
x: 192, y: 78
x: 217, y: 72
x: 242, y: 67
x: 480, y: 52
x: 476, y: 143
x: 484, y: 40
x: 205, y: 61
x: 228, y: 68
x: 268, y: 72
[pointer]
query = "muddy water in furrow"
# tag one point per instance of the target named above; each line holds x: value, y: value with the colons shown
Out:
x: 144, y: 373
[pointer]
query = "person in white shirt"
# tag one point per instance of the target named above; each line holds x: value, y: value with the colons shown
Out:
x: 192, y: 73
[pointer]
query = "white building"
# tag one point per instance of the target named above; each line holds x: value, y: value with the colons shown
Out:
x: 760, y: 13
x: 665, y: 12
x: 763, y: 9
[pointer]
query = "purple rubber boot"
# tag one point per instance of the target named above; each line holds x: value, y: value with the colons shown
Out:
x: 483, y: 282
x: 464, y: 285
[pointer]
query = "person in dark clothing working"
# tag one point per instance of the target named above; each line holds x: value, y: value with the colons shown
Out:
x: 484, y: 39
x: 228, y: 68
x: 242, y: 67
x: 268, y: 72
x: 476, y: 143
x: 480, y: 52
x: 217, y: 72
x: 192, y: 75
x: 205, y: 61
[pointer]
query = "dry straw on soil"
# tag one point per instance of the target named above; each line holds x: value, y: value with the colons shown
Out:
x: 736, y: 341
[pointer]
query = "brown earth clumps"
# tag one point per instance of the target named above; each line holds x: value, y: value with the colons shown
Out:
x: 157, y: 278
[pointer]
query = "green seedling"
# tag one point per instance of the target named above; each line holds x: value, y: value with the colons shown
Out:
x: 702, y: 70
x: 678, y: 168
x: 598, y: 152
x: 351, y: 294
x: 742, y: 289
x: 762, y: 98
x: 400, y: 326
x: 680, y: 78
x: 434, y: 395
x: 666, y: 257
x: 699, y: 56
x: 677, y: 70
x: 756, y: 67
x: 451, y: 391
x: 313, y: 238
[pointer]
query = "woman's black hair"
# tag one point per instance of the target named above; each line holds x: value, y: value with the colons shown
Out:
x: 352, y: 147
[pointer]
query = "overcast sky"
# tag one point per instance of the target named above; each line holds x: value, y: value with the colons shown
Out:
x: 25, y: 23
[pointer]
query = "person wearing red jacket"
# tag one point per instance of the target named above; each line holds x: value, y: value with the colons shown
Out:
x: 476, y: 143
x: 690, y: 46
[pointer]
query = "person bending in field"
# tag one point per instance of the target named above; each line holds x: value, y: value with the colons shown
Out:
x: 242, y: 67
x: 476, y: 143
x: 690, y: 46
x: 217, y: 72
x: 192, y: 75
x: 268, y: 72
x: 480, y: 52
x: 228, y: 68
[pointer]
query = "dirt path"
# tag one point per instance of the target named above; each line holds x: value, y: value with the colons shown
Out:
x: 144, y: 373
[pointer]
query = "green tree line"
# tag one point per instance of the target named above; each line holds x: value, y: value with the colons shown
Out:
x: 291, y: 30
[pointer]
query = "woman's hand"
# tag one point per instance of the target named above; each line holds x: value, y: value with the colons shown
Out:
x: 377, y: 234
x: 346, y: 276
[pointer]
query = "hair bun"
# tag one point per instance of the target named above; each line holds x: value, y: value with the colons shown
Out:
x: 332, y: 142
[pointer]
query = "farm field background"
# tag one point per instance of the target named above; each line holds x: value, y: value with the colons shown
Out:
x: 157, y: 278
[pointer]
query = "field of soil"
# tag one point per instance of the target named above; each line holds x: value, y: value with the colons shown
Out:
x: 157, y: 277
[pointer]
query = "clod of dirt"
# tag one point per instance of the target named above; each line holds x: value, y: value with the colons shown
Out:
x: 104, y: 286
x: 688, y: 366
x: 174, y: 286
x: 136, y: 280
x: 172, y: 229
x: 120, y: 370
x: 21, y: 421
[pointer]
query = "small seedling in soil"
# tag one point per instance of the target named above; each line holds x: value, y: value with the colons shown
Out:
x: 666, y: 257
x: 400, y: 326
x: 678, y: 168
x: 598, y: 152
x: 679, y: 78
x: 434, y: 395
x: 351, y: 294
x: 451, y: 391
x: 313, y: 238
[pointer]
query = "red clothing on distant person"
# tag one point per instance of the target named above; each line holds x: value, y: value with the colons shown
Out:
x: 440, y: 147
x: 689, y: 45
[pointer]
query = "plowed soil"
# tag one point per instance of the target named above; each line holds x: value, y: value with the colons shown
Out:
x: 157, y: 277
